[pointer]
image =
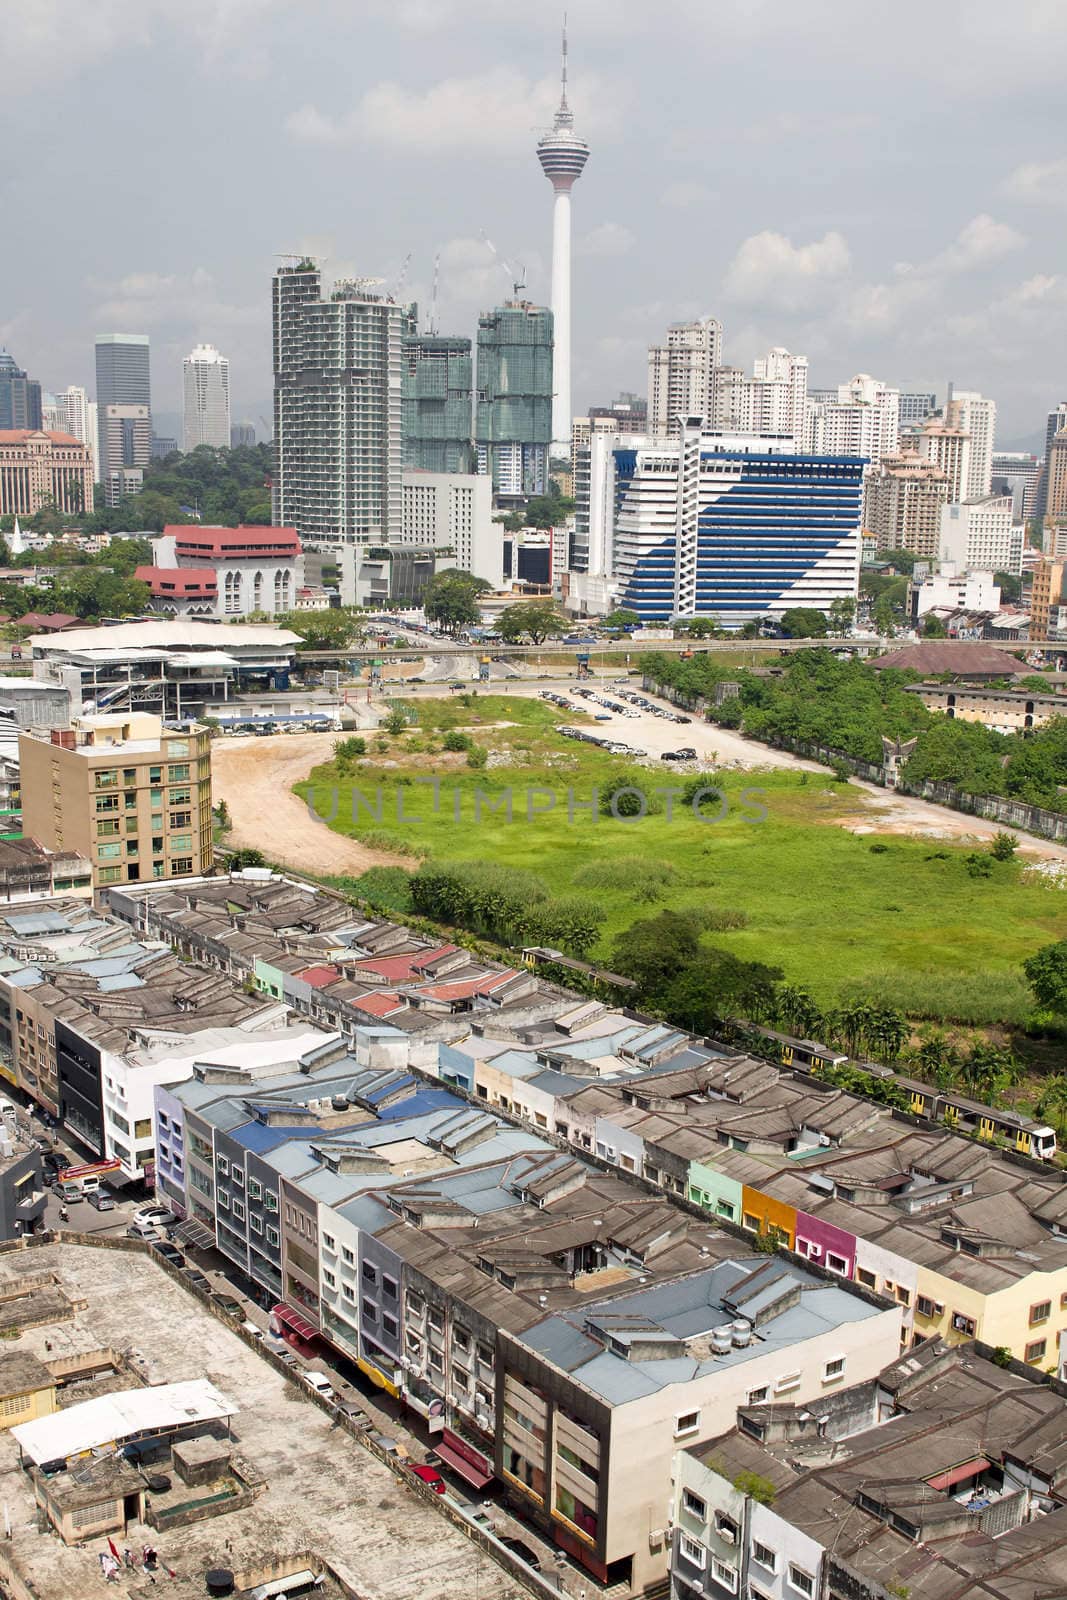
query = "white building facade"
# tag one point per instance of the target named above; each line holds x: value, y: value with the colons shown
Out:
x: 206, y: 391
x: 864, y: 420
x: 982, y: 534
x: 680, y: 374
x: 976, y: 416
x: 454, y: 508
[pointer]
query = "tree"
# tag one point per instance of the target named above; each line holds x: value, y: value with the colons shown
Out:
x: 1046, y: 973
x: 842, y: 615
x: 1010, y: 587
x: 934, y: 628
x: 1004, y: 846
x: 396, y: 722
x: 536, y: 620
x: 547, y: 511
x: 333, y: 629
x: 451, y: 599
x: 718, y: 985
x: 652, y: 950
x: 803, y: 622
x: 1053, y: 1101
x: 622, y: 619
x: 697, y: 627
x: 884, y: 620
x: 935, y: 1059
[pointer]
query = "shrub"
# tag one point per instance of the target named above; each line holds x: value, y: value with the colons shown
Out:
x: 454, y: 740
x: 349, y: 749
x: 878, y: 848
x: 841, y: 771
x: 630, y: 875
x: 1003, y: 847
x: 396, y: 722
x: 477, y: 756
x: 756, y: 1487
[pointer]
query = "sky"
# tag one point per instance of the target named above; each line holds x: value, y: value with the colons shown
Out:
x: 879, y: 188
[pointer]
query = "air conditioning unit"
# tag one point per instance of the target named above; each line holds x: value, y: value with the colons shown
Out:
x: 656, y: 1538
x: 726, y: 1534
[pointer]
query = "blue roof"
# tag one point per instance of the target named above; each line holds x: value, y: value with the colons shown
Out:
x: 29, y: 922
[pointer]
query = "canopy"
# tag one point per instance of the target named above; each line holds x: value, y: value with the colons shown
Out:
x: 113, y: 1418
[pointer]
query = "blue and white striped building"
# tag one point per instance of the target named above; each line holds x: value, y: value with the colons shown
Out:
x: 732, y: 526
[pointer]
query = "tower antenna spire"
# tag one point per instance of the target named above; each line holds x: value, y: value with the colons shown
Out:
x: 563, y: 74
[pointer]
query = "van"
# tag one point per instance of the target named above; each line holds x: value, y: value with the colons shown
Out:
x: 319, y: 1383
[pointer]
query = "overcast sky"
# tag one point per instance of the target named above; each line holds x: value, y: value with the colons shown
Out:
x: 881, y: 188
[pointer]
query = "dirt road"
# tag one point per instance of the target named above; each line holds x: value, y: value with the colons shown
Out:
x: 255, y: 778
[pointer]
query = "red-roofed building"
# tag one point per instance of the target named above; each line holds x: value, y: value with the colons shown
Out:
x: 382, y: 1003
x: 182, y: 591
x: 254, y: 570
x: 47, y: 621
x: 318, y: 977
x: 412, y: 964
x: 39, y: 469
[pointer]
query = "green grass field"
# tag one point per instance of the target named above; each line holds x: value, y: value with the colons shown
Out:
x: 905, y: 920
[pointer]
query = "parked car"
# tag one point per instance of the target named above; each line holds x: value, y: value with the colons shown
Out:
x: 101, y: 1200
x: 167, y: 1252
x: 152, y: 1215
x: 227, y: 1303
x: 197, y: 1278
x: 70, y: 1193
x: 319, y: 1383
x: 523, y: 1551
x: 687, y: 753
x: 429, y: 1476
x: 143, y: 1231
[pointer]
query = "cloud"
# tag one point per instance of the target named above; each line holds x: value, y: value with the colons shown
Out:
x: 770, y: 271
x: 494, y: 111
x: 981, y: 241
x: 607, y: 240
x: 1038, y: 183
x: 179, y: 301
x: 681, y: 196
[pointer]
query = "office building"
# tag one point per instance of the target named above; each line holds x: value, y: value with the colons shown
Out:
x: 437, y: 418
x: 680, y: 374
x: 1046, y: 596
x: 982, y: 535
x: 43, y: 469
x: 20, y: 397
x: 242, y: 436
x: 914, y: 410
x: 337, y: 407
x: 206, y: 395
x: 1016, y: 472
x: 224, y: 572
x: 732, y: 526
x: 563, y: 156
x: 1055, y: 420
x: 76, y: 415
x: 950, y: 590
x: 627, y: 415
x: 513, y: 426
x: 130, y: 796
x: 454, y: 510
x: 903, y: 500
x: 124, y: 412
x: 881, y: 1488
x: 977, y: 417
x: 864, y: 420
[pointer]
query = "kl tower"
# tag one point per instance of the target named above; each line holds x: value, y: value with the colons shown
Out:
x: 563, y: 156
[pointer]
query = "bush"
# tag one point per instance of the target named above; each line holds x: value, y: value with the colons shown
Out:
x: 349, y: 749
x: 978, y: 865
x: 396, y: 722
x: 454, y: 740
x: 477, y: 756
x: 1003, y: 847
x: 630, y: 875
x: 388, y: 887
x: 841, y: 771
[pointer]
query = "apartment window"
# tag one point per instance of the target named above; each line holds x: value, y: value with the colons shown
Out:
x: 904, y: 1296
x: 181, y: 867
x: 1040, y: 1313
x: 107, y: 830
x: 927, y: 1307
x: 691, y: 1551
x: 724, y: 1574
x: 688, y: 1422
x: 695, y: 1506
x: 329, y: 1243
x: 347, y: 1256
x: 390, y: 1289
x: 390, y: 1325
x: 801, y: 1580
x: 223, y: 1200
x: 178, y: 774
x: 962, y: 1324
x: 106, y: 803
x: 155, y: 774
x: 370, y: 1311
x: 181, y: 819
x: 369, y: 1273
x: 836, y: 1263
x: 181, y: 841
x: 347, y: 1292
x: 109, y: 874
x: 756, y: 1397
x: 765, y: 1556
x: 142, y: 1128
x: 180, y: 797
x: 238, y: 1210
x: 756, y: 1593
x: 272, y: 1236
x: 255, y: 1223
x: 751, y: 1222
x: 328, y: 1278
x: 107, y: 780
x: 237, y: 1176
x: 223, y: 1165
x: 1036, y: 1351
x: 833, y: 1369
x: 255, y: 1190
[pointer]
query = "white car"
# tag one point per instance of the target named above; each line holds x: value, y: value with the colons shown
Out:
x: 152, y: 1216
x: 319, y: 1382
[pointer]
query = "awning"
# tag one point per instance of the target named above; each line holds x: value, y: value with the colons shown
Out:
x: 288, y: 1318
x: 954, y: 1475
x: 194, y: 1234
x: 466, y: 1470
x: 282, y: 1586
x: 377, y: 1377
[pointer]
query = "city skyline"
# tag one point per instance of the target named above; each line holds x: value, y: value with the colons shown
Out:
x: 805, y: 230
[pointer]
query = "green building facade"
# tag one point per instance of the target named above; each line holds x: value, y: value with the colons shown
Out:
x: 436, y: 403
x: 513, y: 426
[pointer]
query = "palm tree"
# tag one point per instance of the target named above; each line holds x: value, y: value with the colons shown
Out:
x: 983, y: 1071
x: 853, y: 1022
x: 797, y: 1011
x: 936, y: 1059
x: 887, y: 1032
x: 1053, y: 1101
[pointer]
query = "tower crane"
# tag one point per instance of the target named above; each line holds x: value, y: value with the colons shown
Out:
x: 518, y: 277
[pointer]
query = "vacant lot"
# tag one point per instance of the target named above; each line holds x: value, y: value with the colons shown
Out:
x: 903, y: 917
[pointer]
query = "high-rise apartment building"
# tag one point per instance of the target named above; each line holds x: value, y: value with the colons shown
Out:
x: 124, y: 410
x: 1055, y: 420
x: 1046, y: 591
x: 945, y: 443
x: 242, y: 436
x: 903, y: 498
x: 125, y: 792
x: 206, y: 394
x: 337, y: 407
x: 627, y: 415
x: 437, y: 416
x: 977, y: 416
x: 680, y: 374
x: 1056, y: 477
x: 20, y: 396
x: 513, y: 426
x: 454, y: 510
x: 864, y: 420
x: 75, y: 414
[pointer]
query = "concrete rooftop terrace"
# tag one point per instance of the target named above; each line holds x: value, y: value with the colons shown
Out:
x: 325, y: 1493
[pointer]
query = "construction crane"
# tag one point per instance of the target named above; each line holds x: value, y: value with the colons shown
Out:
x: 433, y: 295
x: 518, y: 278
x: 401, y: 278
